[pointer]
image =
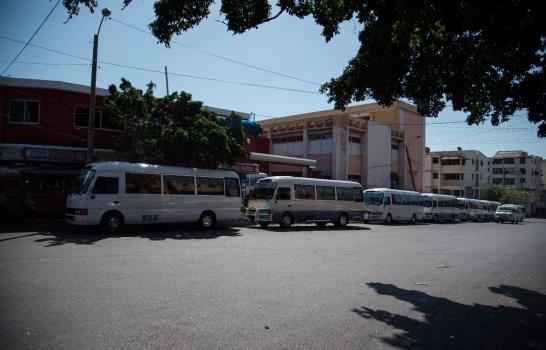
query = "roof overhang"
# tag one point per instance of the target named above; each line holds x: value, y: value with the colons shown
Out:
x: 273, y: 158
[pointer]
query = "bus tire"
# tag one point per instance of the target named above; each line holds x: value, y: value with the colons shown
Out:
x: 286, y: 220
x: 320, y: 223
x: 207, y: 220
x: 111, y: 222
x: 343, y: 220
x: 264, y: 224
x: 388, y: 219
x: 413, y: 219
x: 436, y: 219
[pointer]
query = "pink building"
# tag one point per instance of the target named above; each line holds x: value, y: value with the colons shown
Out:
x: 374, y: 145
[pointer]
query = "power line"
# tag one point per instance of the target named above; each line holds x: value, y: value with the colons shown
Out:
x: 32, y: 37
x: 47, y: 63
x: 219, y: 56
x: 175, y: 74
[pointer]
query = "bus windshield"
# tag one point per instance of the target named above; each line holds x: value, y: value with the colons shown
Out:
x: 373, y: 198
x: 263, y: 191
x: 83, y: 181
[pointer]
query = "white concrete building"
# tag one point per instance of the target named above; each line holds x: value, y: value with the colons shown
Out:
x: 461, y: 173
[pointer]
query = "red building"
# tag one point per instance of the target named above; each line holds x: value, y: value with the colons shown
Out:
x: 43, y: 136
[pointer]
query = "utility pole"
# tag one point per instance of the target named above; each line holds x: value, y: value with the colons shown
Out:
x: 167, y: 80
x: 92, y: 98
x: 410, y: 169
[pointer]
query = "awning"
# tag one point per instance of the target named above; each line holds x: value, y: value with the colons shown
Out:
x: 276, y: 159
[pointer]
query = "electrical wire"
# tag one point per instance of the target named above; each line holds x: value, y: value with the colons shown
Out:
x: 32, y: 37
x: 216, y: 55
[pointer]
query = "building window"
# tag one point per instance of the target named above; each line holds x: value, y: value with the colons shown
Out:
x: 453, y: 176
x: 497, y: 171
x: 320, y: 143
x: 509, y: 161
x: 497, y: 161
x: 21, y: 111
x: 354, y: 146
x: 522, y: 171
x: 522, y: 160
x: 434, y: 160
x: 434, y: 175
x: 472, y: 176
x: 509, y: 181
x: 102, y: 121
x: 395, y: 153
x: 522, y: 180
x: 497, y: 181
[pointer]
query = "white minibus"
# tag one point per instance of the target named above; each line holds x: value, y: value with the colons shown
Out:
x: 288, y: 199
x: 112, y: 194
x: 441, y: 208
x: 388, y: 205
x: 490, y: 207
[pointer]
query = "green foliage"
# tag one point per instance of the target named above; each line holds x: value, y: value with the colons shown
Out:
x: 173, y: 129
x: 507, y: 195
x: 485, y: 57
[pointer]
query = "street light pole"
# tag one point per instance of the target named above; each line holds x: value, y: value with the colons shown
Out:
x: 92, y: 99
x: 409, y: 161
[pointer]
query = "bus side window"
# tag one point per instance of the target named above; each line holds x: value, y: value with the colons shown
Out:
x: 106, y: 185
x: 283, y: 193
x: 387, y: 200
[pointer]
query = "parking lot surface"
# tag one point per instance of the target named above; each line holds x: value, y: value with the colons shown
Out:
x: 458, y: 286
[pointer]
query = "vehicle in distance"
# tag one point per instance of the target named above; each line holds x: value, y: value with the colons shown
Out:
x: 112, y: 194
x: 441, y: 208
x: 389, y: 205
x: 288, y: 199
x: 508, y: 212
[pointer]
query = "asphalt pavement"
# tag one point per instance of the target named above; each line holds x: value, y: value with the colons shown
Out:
x: 446, y: 286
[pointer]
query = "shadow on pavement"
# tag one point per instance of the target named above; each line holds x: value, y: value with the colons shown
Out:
x: 59, y: 234
x: 448, y: 324
x: 297, y: 228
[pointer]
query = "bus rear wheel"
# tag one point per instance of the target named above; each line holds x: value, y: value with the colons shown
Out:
x: 264, y: 224
x: 320, y: 223
x: 207, y: 220
x: 342, y: 221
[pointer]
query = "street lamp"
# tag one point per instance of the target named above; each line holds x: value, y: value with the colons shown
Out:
x: 91, y: 121
x: 409, y: 160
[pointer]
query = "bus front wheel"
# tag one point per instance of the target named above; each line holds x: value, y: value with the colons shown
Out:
x: 111, y: 222
x: 286, y: 220
x: 388, y: 219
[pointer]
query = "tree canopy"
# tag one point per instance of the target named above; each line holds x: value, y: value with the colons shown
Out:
x: 173, y: 129
x: 486, y: 58
x: 507, y: 195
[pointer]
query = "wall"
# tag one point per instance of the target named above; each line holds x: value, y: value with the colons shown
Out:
x: 378, y: 155
x: 56, y: 123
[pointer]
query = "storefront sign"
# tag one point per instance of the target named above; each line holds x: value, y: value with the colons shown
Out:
x: 54, y: 155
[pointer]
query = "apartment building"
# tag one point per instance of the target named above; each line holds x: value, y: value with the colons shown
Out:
x: 461, y: 173
x: 371, y: 144
x: 519, y: 170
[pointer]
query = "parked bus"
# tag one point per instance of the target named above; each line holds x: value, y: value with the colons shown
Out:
x: 441, y: 208
x: 112, y: 194
x: 464, y: 208
x: 489, y: 209
x: 388, y: 205
x: 287, y: 199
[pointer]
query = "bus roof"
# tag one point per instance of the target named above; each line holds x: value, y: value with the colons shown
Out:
x: 436, y: 195
x: 381, y: 189
x: 292, y: 179
x: 159, y: 169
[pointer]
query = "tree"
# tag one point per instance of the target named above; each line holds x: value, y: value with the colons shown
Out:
x: 507, y: 195
x: 173, y: 129
x: 485, y: 57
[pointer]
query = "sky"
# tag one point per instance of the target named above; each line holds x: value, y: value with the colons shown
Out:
x: 200, y: 62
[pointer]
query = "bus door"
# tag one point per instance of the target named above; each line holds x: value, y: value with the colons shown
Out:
x: 104, y: 194
x: 282, y: 201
